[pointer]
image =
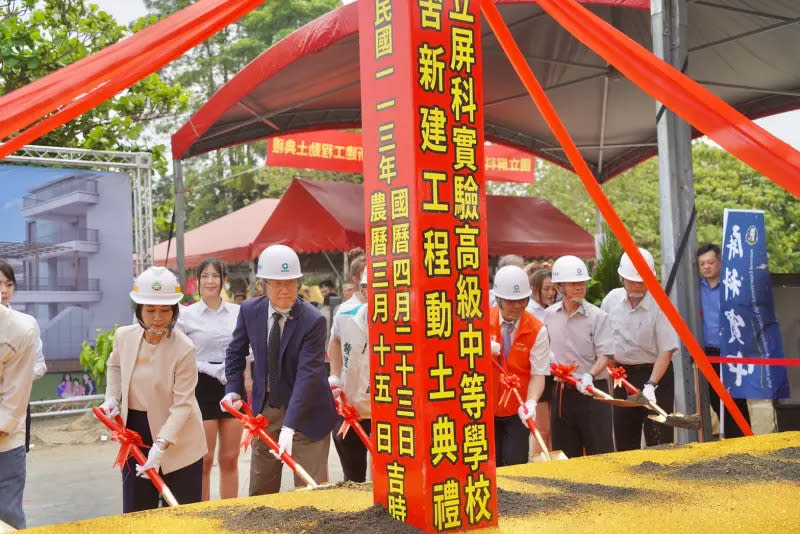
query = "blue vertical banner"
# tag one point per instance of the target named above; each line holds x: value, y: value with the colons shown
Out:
x: 748, y: 325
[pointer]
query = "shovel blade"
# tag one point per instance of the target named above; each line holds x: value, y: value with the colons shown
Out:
x: 678, y: 420
x: 554, y: 455
x: 638, y: 398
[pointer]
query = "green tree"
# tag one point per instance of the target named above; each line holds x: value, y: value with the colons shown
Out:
x: 721, y: 181
x: 39, y: 37
x: 205, y: 69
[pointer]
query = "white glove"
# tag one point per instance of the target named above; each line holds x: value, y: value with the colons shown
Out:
x: 336, y: 386
x: 496, y: 348
x: 153, y: 461
x: 285, y: 439
x: 110, y: 407
x: 530, y: 406
x: 649, y: 392
x: 234, y: 399
x: 583, y: 384
x: 203, y: 367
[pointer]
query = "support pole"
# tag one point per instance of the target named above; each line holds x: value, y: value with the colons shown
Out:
x: 669, y: 20
x: 180, y: 219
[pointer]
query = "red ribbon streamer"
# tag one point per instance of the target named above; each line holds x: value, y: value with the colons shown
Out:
x: 127, y: 439
x: 755, y: 361
x: 540, y: 98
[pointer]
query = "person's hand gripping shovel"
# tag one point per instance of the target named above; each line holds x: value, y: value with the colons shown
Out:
x: 678, y: 420
x: 565, y: 373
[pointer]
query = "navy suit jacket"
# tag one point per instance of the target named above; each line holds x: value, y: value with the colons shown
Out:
x: 303, y: 389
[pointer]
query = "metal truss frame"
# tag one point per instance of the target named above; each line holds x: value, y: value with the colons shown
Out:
x: 139, y: 165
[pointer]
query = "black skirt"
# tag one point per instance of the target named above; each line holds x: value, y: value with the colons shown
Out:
x: 209, y: 392
x: 547, y: 394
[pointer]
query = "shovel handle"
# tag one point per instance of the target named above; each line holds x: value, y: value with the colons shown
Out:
x: 341, y: 404
x: 285, y: 457
x: 633, y: 390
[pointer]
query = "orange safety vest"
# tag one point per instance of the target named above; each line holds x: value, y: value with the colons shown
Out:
x: 518, y: 361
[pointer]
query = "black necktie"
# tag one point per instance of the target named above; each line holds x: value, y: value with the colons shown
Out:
x: 273, y: 357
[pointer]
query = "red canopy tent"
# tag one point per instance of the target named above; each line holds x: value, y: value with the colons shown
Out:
x: 229, y: 238
x: 318, y: 216
x: 744, y: 51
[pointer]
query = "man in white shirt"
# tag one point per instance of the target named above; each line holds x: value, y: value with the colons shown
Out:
x: 644, y: 342
x: 17, y: 355
x: 580, y: 333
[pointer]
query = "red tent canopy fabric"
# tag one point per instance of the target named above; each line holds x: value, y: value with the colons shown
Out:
x: 311, y: 80
x: 229, y: 238
x: 318, y: 216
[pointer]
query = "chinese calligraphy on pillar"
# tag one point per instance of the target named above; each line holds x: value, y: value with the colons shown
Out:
x: 426, y: 237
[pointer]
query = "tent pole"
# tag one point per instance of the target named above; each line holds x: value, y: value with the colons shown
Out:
x: 335, y: 270
x: 669, y: 19
x: 179, y: 220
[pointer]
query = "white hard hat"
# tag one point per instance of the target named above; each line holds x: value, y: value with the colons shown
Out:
x: 570, y: 269
x: 158, y: 286
x: 629, y: 272
x: 511, y: 283
x: 278, y: 262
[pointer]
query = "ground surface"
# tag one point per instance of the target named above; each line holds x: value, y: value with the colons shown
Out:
x: 739, y: 485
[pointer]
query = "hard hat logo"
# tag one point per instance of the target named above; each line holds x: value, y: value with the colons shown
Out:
x: 516, y: 288
x: 156, y: 286
x: 285, y: 268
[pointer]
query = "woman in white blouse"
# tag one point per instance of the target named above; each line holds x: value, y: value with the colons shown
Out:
x: 209, y: 323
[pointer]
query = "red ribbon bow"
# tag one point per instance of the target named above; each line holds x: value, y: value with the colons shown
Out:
x: 618, y: 374
x: 563, y: 372
x: 253, y: 425
x: 510, y: 383
x: 127, y: 439
x: 349, y: 412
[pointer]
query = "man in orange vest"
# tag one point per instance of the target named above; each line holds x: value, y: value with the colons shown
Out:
x: 521, y: 344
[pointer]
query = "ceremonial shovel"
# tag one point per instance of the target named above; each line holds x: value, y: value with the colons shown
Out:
x: 512, y: 387
x: 255, y: 426
x: 692, y: 422
x: 564, y: 373
x: 129, y: 442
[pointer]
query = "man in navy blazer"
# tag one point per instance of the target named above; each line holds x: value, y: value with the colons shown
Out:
x: 290, y: 381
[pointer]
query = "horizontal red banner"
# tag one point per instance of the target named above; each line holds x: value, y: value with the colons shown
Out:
x: 335, y: 150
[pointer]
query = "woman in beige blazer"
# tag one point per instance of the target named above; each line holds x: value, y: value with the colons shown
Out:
x: 151, y: 380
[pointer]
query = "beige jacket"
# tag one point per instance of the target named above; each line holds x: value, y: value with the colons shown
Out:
x: 173, y: 413
x: 17, y: 353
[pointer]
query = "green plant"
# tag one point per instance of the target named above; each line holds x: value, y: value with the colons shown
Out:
x: 604, y: 271
x: 94, y: 357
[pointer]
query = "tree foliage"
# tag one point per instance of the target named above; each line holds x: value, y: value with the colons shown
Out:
x: 721, y: 181
x: 39, y: 37
x: 211, y: 192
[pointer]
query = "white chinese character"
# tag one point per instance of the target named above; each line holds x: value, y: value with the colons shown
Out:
x: 735, y: 322
x: 735, y: 243
x: 732, y: 282
x: 741, y: 370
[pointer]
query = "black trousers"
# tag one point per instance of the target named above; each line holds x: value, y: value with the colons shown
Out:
x: 629, y: 423
x: 28, y: 429
x: 139, y: 493
x: 732, y: 430
x: 510, y: 441
x: 578, y: 424
x: 352, y: 452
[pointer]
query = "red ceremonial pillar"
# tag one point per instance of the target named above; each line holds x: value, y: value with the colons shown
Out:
x: 422, y: 118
